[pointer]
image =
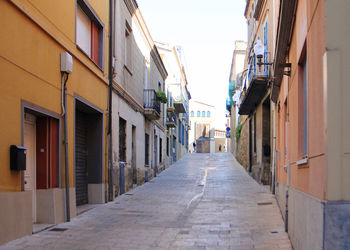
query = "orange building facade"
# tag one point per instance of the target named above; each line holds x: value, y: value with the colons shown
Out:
x: 312, y: 152
x: 307, y: 93
x: 34, y: 35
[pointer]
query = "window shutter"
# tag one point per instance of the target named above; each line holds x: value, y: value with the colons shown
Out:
x: 83, y: 31
x: 94, y: 42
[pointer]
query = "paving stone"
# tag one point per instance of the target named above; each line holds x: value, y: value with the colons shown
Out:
x: 182, y: 208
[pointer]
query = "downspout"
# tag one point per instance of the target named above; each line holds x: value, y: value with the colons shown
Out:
x: 274, y: 152
x: 288, y: 174
x: 64, y: 114
x: 110, y: 81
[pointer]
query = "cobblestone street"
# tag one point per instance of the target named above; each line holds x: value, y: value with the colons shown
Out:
x: 204, y: 201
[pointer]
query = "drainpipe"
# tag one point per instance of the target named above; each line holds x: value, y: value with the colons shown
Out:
x: 64, y: 114
x: 110, y: 80
x: 274, y: 154
x: 288, y: 178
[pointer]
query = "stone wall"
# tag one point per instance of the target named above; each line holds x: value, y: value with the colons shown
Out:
x: 242, y: 152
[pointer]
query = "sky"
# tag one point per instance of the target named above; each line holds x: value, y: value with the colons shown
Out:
x: 207, y: 33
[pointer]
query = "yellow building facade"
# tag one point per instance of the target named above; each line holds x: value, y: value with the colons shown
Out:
x: 34, y: 34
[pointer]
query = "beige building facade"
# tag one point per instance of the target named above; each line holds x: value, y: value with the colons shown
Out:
x: 202, y: 120
x: 177, y: 107
x: 139, y: 132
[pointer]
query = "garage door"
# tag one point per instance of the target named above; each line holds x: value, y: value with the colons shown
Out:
x: 81, y: 173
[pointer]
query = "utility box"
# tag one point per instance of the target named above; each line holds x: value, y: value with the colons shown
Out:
x: 66, y: 63
x: 17, y: 158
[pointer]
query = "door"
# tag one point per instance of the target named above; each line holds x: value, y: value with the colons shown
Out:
x: 250, y: 145
x: 174, y: 148
x: 155, y: 153
x: 133, y: 155
x: 29, y: 142
x: 81, y: 172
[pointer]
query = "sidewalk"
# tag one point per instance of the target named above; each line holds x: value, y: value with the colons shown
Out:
x: 202, y: 202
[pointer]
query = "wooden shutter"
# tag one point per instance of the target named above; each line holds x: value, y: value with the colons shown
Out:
x: 94, y: 42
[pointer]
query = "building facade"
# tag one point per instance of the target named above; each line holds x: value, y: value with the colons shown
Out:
x: 312, y: 148
x: 138, y: 122
x: 234, y: 93
x: 178, y: 96
x: 255, y: 104
x: 202, y: 121
x: 298, y: 109
x: 56, y: 127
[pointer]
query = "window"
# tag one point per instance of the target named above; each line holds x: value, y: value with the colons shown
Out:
x: 122, y: 139
x: 146, y: 149
x: 266, y: 44
x: 198, y: 114
x: 192, y: 113
x: 208, y: 113
x: 128, y: 47
x: 89, y: 33
x: 303, y: 108
x: 203, y: 113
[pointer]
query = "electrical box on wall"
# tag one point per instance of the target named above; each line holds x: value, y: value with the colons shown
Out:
x: 66, y: 63
x: 17, y: 158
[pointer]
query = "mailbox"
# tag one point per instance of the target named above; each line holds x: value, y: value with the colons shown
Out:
x: 17, y: 158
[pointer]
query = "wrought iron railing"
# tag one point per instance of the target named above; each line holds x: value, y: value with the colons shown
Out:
x: 151, y: 100
x: 171, y: 116
x: 259, y: 69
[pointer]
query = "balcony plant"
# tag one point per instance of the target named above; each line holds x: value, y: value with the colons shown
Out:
x: 162, y: 97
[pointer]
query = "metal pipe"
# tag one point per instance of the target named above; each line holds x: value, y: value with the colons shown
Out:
x: 64, y: 81
x: 110, y: 78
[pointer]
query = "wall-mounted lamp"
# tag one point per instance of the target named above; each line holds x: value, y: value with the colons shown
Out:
x: 259, y: 52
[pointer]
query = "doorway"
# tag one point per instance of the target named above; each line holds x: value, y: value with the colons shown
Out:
x: 88, y: 148
x: 40, y: 137
x: 133, y: 154
x: 29, y: 132
x: 155, y: 154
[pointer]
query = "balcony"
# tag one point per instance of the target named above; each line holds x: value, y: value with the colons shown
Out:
x: 177, y: 91
x: 152, y: 104
x: 255, y: 86
x: 171, y: 118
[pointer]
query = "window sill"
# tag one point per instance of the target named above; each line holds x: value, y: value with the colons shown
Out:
x: 127, y: 69
x: 98, y: 66
x: 303, y: 162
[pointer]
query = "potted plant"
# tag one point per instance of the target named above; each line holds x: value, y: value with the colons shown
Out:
x: 171, y: 109
x: 161, y: 96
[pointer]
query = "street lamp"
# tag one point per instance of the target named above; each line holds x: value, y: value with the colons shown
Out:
x: 259, y: 52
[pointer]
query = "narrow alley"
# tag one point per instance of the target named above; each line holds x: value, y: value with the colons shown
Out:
x: 204, y: 201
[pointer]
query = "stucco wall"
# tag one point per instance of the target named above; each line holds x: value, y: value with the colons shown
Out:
x: 30, y: 61
x: 310, y: 39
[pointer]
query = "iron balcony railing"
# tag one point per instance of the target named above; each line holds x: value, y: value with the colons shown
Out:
x: 151, y: 100
x: 259, y: 68
x: 171, y: 116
